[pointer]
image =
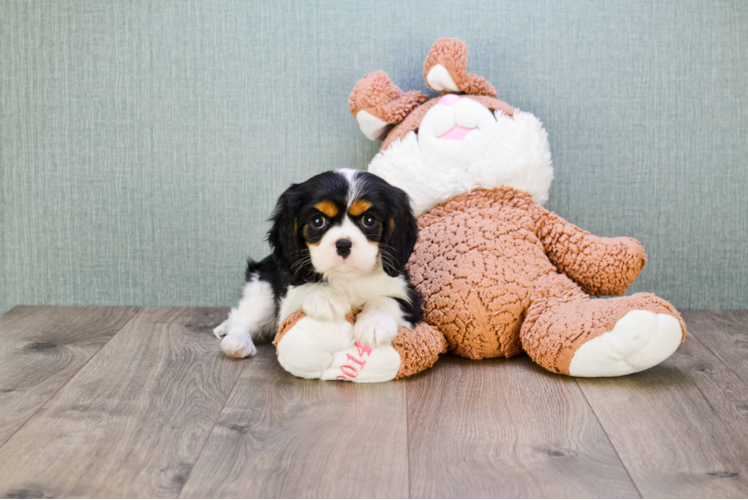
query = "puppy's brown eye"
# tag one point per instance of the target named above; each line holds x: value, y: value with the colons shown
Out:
x: 318, y: 222
x: 368, y: 220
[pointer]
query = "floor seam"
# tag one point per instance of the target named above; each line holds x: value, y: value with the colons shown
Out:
x: 719, y: 358
x: 407, y: 434
x: 210, y: 433
x: 137, y: 312
x: 592, y: 409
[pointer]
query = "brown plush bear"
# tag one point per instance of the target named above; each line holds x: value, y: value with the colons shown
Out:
x: 499, y: 274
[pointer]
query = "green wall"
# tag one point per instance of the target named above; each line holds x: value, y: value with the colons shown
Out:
x: 143, y: 143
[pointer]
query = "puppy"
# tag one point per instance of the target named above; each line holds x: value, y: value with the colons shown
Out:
x: 339, y: 241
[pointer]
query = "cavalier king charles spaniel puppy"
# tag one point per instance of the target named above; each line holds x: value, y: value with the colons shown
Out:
x: 339, y: 241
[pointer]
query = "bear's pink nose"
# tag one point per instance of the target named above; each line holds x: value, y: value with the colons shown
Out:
x: 449, y: 99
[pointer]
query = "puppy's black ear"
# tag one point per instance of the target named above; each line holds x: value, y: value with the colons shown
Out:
x: 400, y: 235
x: 283, y: 235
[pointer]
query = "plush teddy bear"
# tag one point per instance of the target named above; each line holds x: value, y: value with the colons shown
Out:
x: 500, y: 274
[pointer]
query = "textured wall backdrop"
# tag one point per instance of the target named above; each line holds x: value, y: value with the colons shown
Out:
x: 143, y: 143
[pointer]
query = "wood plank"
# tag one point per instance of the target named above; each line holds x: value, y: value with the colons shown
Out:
x: 506, y: 428
x: 280, y: 436
x: 132, y: 422
x: 725, y: 333
x: 41, y: 348
x: 681, y: 427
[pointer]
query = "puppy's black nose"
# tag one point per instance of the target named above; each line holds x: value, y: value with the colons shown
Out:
x: 344, y: 247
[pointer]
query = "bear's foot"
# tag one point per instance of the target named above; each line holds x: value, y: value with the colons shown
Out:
x: 639, y: 340
x: 327, y: 350
x: 576, y: 336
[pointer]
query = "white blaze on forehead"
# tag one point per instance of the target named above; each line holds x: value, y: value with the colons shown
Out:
x: 355, y: 185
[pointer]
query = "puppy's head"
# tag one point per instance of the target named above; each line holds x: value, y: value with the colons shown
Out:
x: 342, y: 222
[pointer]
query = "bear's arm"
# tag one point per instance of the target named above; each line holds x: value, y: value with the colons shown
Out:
x: 601, y: 266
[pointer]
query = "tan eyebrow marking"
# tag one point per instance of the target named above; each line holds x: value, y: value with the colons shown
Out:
x: 327, y: 207
x: 358, y: 207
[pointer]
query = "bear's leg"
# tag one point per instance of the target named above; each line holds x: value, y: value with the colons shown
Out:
x: 311, y: 348
x: 567, y: 332
x: 418, y: 348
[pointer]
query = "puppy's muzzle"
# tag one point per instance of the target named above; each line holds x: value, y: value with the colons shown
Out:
x: 343, y: 247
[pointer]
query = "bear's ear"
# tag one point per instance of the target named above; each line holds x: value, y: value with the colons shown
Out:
x: 445, y: 70
x: 378, y: 104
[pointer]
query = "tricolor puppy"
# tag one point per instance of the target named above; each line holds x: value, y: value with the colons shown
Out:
x: 340, y: 241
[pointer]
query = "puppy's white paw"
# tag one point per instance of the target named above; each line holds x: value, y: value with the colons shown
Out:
x: 221, y: 330
x: 375, y: 328
x: 238, y: 344
x: 325, y: 305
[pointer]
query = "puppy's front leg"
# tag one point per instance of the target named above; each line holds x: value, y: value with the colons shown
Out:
x: 318, y: 301
x: 325, y: 303
x: 249, y: 321
x: 378, y: 321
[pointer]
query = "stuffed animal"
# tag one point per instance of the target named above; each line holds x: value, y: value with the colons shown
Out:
x: 500, y: 274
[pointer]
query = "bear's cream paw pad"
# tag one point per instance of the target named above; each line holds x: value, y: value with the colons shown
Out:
x: 639, y: 340
x: 361, y: 363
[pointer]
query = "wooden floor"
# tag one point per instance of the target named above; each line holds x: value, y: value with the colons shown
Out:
x: 139, y: 402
